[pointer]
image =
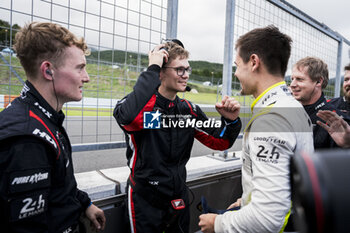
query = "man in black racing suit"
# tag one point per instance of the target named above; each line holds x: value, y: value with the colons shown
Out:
x: 343, y: 103
x: 309, y: 78
x: 38, y: 191
x: 160, y: 129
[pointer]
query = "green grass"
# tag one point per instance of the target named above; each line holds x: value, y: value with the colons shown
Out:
x: 106, y: 112
x: 210, y: 98
x: 105, y: 82
x: 87, y: 112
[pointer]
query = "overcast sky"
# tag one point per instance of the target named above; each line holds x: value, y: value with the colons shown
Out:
x: 201, y: 24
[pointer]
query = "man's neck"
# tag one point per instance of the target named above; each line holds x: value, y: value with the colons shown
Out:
x: 313, y: 99
x: 171, y: 95
x: 264, y: 82
x: 46, y: 90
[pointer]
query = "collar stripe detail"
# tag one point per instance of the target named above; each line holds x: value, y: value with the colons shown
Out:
x: 267, y: 90
x: 32, y: 114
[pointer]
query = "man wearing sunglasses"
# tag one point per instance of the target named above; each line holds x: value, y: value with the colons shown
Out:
x: 160, y: 129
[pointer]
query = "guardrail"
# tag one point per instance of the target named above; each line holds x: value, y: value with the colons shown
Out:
x: 106, y: 145
x: 218, y: 181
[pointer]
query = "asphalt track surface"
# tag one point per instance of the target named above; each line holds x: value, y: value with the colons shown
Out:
x: 105, y: 129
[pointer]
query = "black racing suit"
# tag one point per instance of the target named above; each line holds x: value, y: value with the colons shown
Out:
x: 38, y: 191
x: 322, y: 139
x: 157, y: 157
x: 341, y: 104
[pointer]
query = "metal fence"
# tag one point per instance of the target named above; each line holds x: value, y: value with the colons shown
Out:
x: 121, y: 32
x: 310, y: 38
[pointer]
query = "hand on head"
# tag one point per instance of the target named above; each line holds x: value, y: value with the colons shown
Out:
x: 158, y: 56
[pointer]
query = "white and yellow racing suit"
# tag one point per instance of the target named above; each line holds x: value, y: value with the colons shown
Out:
x: 279, y: 127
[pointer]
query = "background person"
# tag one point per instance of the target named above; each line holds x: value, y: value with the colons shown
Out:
x: 38, y: 191
x: 343, y: 103
x: 337, y: 128
x: 279, y: 127
x: 157, y: 156
x: 309, y: 78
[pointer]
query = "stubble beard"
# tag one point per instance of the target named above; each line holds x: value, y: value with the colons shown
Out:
x: 346, y: 92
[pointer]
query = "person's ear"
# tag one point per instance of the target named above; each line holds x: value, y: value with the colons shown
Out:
x: 255, y: 61
x: 46, y: 71
x: 161, y: 75
x: 319, y: 82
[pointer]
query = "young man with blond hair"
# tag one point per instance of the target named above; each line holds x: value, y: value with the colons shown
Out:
x: 38, y: 191
x: 160, y: 129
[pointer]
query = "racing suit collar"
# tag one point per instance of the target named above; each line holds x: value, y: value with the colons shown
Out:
x: 166, y: 103
x: 264, y: 92
x: 310, y: 109
x: 30, y: 94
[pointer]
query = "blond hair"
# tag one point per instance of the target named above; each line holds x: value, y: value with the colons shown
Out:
x: 175, y: 50
x: 316, y: 69
x: 37, y: 42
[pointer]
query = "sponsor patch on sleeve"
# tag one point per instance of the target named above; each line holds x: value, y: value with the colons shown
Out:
x: 27, y: 180
x: 28, y: 206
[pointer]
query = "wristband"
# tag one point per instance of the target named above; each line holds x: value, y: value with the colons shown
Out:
x: 224, y: 129
x: 89, y: 204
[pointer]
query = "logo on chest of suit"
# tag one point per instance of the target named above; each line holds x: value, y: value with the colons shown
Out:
x: 319, y: 106
x: 24, y: 91
x: 45, y: 136
x: 47, y: 113
x: 68, y: 230
x: 269, y: 96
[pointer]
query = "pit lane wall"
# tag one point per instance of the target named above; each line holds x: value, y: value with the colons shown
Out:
x: 217, y: 179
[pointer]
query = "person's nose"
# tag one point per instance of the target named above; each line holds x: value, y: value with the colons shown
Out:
x: 293, y: 83
x: 186, y: 75
x: 86, y: 77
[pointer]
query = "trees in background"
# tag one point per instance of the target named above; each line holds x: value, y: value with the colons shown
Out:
x: 5, y: 33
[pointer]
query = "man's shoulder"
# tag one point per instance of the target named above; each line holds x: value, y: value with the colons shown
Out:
x: 13, y: 118
x: 15, y: 107
x: 287, y: 101
x: 186, y: 104
x: 330, y: 105
x: 336, y: 100
x: 286, y: 110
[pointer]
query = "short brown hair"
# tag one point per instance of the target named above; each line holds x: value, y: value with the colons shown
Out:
x: 347, y: 67
x: 316, y: 69
x: 272, y: 46
x: 37, y: 42
x: 175, y: 50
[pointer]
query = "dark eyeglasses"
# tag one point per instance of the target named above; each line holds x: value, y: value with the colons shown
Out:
x: 181, y: 70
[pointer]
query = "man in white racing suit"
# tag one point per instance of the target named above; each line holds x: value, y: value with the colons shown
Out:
x: 279, y: 127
